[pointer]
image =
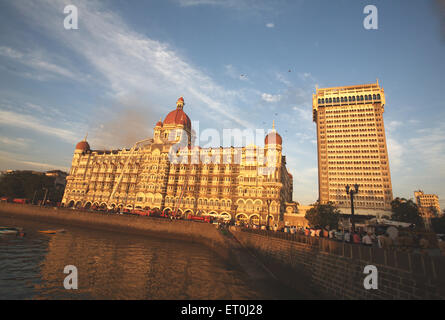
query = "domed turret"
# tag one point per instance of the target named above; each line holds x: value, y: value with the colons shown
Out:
x: 83, y: 145
x: 273, y: 137
x: 178, y: 116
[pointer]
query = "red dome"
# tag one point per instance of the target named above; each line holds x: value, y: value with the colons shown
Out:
x: 273, y: 138
x: 83, y: 145
x: 178, y: 117
x: 159, y: 124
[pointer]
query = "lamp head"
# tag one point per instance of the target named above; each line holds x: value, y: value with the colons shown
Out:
x: 347, y: 189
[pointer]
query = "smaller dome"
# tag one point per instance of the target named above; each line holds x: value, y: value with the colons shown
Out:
x: 159, y: 123
x: 273, y: 138
x: 83, y: 145
x: 180, y: 103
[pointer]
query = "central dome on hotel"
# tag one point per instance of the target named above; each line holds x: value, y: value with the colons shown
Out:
x: 178, y: 116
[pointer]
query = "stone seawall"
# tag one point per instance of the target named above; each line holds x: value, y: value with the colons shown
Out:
x: 180, y: 230
x: 331, y: 269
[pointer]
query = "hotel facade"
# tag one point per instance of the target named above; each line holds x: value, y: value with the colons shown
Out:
x: 427, y: 201
x: 352, y: 148
x: 249, y: 184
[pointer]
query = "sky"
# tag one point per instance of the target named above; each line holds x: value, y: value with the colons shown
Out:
x: 237, y: 63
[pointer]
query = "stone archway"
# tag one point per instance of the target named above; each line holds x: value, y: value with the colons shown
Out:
x: 226, y: 216
x: 188, y: 212
x: 242, y: 217
x: 71, y: 204
x: 254, y: 219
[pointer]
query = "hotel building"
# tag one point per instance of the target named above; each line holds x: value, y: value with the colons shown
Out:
x: 426, y: 201
x: 352, y: 148
x: 249, y: 183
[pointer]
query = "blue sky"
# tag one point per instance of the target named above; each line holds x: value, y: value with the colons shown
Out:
x: 128, y: 62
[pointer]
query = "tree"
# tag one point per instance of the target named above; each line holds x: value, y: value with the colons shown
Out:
x: 434, y: 211
x: 23, y: 184
x: 322, y: 215
x: 405, y: 211
x: 438, y: 224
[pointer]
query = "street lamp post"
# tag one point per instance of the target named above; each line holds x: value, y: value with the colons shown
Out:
x: 34, y: 197
x: 44, y: 198
x: 235, y: 206
x: 351, y: 192
x: 268, y: 201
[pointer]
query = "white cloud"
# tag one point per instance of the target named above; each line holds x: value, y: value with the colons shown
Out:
x: 305, y: 113
x: 249, y: 5
x: 270, y: 25
x: 14, y: 161
x: 16, y: 142
x: 36, y: 61
x: 306, y: 76
x: 283, y: 80
x: 10, y: 118
x: 395, y: 154
x: 270, y: 97
x: 131, y: 62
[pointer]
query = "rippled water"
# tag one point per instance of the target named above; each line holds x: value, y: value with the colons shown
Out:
x: 113, y: 266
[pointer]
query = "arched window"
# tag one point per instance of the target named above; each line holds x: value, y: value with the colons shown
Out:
x: 378, y: 96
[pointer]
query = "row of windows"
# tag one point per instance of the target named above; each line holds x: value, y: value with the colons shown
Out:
x: 349, y: 115
x: 368, y: 97
x: 348, y: 110
x: 352, y: 120
x: 357, y: 157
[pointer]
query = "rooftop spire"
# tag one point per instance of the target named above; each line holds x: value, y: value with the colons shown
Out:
x: 180, y: 103
x: 86, y: 137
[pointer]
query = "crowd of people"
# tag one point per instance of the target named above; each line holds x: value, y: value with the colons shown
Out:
x: 377, y: 238
x: 381, y: 240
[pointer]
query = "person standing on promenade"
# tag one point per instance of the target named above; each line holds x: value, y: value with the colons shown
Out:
x: 347, y: 236
x: 356, y: 238
x: 367, y: 240
x: 339, y: 235
x: 326, y: 232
